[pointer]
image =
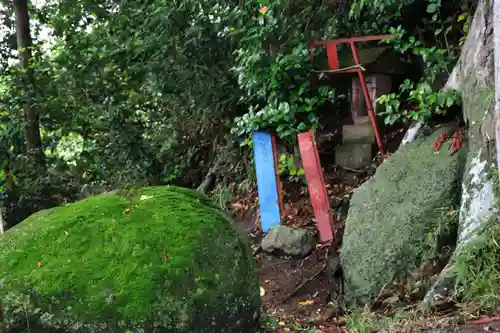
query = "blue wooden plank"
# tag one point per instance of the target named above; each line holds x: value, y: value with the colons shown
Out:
x: 266, y: 180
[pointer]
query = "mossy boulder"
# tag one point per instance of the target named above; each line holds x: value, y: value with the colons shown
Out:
x: 159, y: 259
x: 395, y: 218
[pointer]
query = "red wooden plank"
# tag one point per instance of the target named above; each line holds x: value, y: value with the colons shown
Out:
x: 276, y: 172
x: 333, y: 58
x: 316, y: 185
x: 368, y: 101
x: 348, y: 40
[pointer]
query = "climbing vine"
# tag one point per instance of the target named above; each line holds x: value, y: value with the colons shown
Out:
x: 421, y: 99
x: 274, y: 74
x: 286, y: 166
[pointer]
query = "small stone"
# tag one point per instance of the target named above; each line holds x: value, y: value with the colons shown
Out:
x: 289, y: 241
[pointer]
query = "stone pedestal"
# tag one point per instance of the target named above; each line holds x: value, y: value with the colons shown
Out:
x: 360, y: 133
x: 354, y: 155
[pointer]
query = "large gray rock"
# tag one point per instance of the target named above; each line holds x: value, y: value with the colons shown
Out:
x: 392, y: 215
x: 289, y: 241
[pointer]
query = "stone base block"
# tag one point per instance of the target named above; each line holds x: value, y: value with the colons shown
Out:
x: 354, y: 156
x: 360, y: 133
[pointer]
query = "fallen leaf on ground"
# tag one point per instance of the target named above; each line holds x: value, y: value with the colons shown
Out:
x: 262, y: 291
x: 307, y: 302
x: 391, y: 299
x: 341, y: 320
x: 485, y: 320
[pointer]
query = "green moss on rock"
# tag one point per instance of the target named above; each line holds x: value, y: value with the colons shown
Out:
x: 161, y: 259
x: 392, y: 215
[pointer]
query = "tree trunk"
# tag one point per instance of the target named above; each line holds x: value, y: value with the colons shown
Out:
x: 24, y: 43
x: 474, y: 77
x: 2, y: 223
x: 496, y: 56
x: 210, y: 179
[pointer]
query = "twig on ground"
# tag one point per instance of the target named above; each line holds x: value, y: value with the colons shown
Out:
x: 300, y: 286
x: 299, y: 280
x: 381, y: 295
x: 353, y: 170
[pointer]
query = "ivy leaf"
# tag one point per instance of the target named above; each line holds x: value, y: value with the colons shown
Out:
x: 302, y: 127
x: 432, y: 8
x: 414, y: 115
x: 302, y: 89
x: 442, y: 99
x: 450, y: 101
x: 391, y: 119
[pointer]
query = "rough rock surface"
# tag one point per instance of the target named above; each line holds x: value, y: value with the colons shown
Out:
x: 392, y: 215
x: 289, y: 241
x: 160, y: 259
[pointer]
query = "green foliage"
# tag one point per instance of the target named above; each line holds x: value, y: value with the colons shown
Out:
x: 477, y: 270
x: 133, y: 93
x: 286, y: 165
x: 286, y: 117
x: 222, y: 195
x: 105, y: 262
x: 274, y: 76
x: 467, y: 20
x: 419, y: 100
x: 477, y: 266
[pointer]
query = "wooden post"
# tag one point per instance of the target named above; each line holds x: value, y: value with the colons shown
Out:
x: 316, y: 185
x: 268, y: 187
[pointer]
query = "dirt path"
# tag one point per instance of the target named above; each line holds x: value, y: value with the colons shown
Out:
x: 492, y: 327
x: 296, y: 292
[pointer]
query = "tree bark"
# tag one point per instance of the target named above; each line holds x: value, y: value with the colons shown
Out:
x: 496, y: 56
x: 2, y: 223
x: 210, y: 179
x: 474, y: 76
x: 24, y: 43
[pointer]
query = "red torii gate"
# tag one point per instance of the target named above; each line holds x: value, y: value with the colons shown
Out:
x: 307, y: 144
x: 333, y: 64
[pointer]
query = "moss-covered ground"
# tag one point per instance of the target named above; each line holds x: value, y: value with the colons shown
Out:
x: 159, y: 257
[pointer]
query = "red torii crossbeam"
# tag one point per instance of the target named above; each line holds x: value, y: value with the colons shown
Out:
x: 333, y: 64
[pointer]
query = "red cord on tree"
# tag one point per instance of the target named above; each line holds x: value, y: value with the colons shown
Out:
x: 439, y: 142
x: 457, y: 139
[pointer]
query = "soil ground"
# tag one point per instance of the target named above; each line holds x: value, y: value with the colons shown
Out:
x: 296, y: 292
